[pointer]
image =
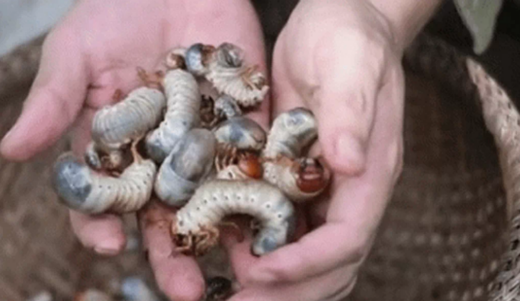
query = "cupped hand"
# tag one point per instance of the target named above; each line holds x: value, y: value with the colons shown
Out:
x: 340, y: 59
x: 94, y: 51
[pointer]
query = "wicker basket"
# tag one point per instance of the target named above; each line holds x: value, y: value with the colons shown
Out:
x: 444, y: 235
x: 38, y: 251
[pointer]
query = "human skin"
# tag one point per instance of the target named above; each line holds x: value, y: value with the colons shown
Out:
x: 92, y: 52
x: 359, y: 112
x: 342, y: 60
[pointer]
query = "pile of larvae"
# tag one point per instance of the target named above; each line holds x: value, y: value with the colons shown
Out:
x: 182, y: 137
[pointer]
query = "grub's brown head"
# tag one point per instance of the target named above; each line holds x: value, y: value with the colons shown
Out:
x: 207, y: 52
x: 250, y: 165
x: 175, y: 61
x: 311, y: 175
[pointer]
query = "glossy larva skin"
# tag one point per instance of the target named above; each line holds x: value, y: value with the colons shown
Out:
x: 242, y: 133
x: 118, y: 124
x: 81, y: 189
x: 226, y: 72
x: 290, y: 134
x: 218, y: 198
x: 193, y: 58
x: 189, y: 164
x: 227, y: 107
x: 182, y: 113
x: 232, y: 172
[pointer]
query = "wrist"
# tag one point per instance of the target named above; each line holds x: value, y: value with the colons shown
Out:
x: 406, y: 17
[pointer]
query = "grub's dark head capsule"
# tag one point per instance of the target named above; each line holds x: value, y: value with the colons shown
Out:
x: 71, y: 181
x: 196, y: 58
x: 242, y: 133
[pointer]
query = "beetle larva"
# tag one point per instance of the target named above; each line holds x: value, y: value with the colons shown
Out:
x: 175, y: 59
x: 234, y: 165
x: 188, y: 164
x: 136, y: 289
x: 80, y: 188
x: 182, y: 113
x: 197, y: 58
x: 118, y: 124
x: 299, y: 177
x: 195, y: 228
x: 229, y: 76
x: 226, y: 107
x: 241, y: 132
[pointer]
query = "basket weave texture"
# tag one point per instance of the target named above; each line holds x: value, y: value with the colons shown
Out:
x: 38, y: 251
x: 444, y: 235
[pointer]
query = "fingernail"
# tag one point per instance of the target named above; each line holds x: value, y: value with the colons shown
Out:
x: 109, y: 248
x: 105, y: 251
x: 349, y: 153
x: 8, y: 135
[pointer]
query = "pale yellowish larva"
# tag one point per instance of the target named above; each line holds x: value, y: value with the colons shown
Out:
x: 82, y: 189
x: 116, y: 125
x: 196, y: 58
x: 182, y: 113
x: 242, y: 166
x: 241, y: 132
x: 230, y: 76
x: 299, y: 177
x: 226, y: 107
x: 195, y: 228
x: 239, y: 139
x: 186, y: 167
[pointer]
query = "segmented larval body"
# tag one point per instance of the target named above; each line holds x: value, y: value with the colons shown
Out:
x: 182, y: 113
x: 230, y: 76
x: 196, y: 57
x: 291, y: 133
x: 188, y: 164
x: 218, y: 198
x: 82, y: 189
x: 241, y: 132
x: 226, y: 106
x: 131, y: 118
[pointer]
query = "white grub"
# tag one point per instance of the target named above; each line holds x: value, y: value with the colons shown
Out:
x: 219, y: 198
x: 241, y: 132
x: 227, y: 107
x: 136, y: 289
x: 175, y: 58
x: 84, y: 190
x: 196, y: 57
x: 291, y: 134
x: 230, y: 76
x: 189, y: 163
x: 116, y: 125
x: 182, y: 113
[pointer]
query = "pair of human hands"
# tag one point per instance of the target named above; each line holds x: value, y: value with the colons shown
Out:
x: 338, y: 58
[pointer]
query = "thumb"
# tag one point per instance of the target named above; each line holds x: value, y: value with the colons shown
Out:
x: 54, y: 100
x: 345, y: 105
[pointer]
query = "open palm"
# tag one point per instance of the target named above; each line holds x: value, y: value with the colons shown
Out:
x: 93, y: 52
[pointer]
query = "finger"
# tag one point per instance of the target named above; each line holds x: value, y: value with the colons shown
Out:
x: 356, y: 207
x: 329, y: 287
x: 54, y: 100
x: 103, y: 233
x: 240, y: 252
x: 349, y: 81
x: 177, y: 275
